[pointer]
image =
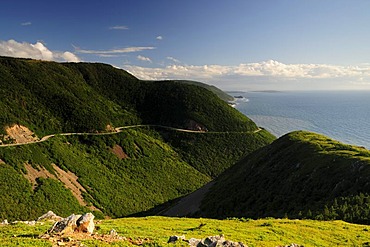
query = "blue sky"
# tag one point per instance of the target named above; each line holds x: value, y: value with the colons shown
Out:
x: 235, y: 44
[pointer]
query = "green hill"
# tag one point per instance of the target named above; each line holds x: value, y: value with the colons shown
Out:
x: 223, y: 95
x: 117, y: 174
x: 300, y: 175
x: 212, y: 153
x: 164, y: 102
x: 49, y: 97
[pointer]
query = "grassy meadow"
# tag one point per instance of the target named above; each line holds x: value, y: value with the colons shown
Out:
x: 155, y: 231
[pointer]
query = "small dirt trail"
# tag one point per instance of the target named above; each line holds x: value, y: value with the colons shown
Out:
x: 120, y: 129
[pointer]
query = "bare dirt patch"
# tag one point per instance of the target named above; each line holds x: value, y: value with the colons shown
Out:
x: 110, y: 128
x: 33, y: 174
x: 69, y: 179
x: 118, y: 151
x: 20, y: 134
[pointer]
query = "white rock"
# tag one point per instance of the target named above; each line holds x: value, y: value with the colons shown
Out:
x: 86, y: 223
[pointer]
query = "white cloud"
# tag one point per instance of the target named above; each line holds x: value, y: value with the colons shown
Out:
x: 115, y: 51
x: 271, y: 74
x: 45, y: 52
x: 38, y: 50
x: 28, y: 23
x: 70, y: 57
x: 142, y: 58
x: 119, y: 28
x: 109, y: 55
x: 173, y: 59
x: 159, y: 37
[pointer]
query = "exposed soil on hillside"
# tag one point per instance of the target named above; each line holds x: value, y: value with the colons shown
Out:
x: 192, y: 125
x: 69, y: 179
x: 33, y: 174
x: 118, y: 151
x: 110, y: 128
x: 20, y: 134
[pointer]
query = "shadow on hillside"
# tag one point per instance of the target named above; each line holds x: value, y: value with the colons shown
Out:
x: 157, y: 210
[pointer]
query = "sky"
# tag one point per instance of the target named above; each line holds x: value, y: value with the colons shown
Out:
x: 232, y: 44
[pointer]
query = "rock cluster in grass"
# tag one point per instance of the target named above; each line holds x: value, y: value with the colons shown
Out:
x: 211, y: 241
x: 50, y: 215
x: 215, y: 241
x: 73, y: 223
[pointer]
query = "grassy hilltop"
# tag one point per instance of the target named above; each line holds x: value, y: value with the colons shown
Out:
x: 115, y: 175
x: 300, y: 175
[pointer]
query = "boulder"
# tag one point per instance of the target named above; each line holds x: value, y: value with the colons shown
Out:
x: 194, y: 241
x: 211, y: 241
x: 175, y: 238
x: 113, y: 233
x: 64, y: 226
x: 50, y: 215
x: 86, y: 223
x: 73, y: 223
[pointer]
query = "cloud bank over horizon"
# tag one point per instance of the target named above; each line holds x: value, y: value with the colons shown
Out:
x: 115, y: 51
x: 264, y: 75
x: 12, y: 48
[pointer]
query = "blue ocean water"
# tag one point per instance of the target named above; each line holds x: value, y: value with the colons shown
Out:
x: 344, y: 116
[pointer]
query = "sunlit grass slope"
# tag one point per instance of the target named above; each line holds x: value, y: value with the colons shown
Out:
x: 155, y: 231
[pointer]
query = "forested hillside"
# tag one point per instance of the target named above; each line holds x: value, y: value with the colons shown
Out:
x: 117, y: 174
x: 300, y: 175
x: 50, y: 97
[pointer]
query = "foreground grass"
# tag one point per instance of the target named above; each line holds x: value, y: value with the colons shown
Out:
x: 155, y: 231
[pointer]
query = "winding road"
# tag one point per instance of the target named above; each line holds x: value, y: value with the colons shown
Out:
x: 119, y: 130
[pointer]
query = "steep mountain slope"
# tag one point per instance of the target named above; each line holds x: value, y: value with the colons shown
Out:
x: 164, y: 102
x: 212, y: 153
x: 301, y: 174
x: 150, y: 173
x: 118, y: 174
x: 50, y: 97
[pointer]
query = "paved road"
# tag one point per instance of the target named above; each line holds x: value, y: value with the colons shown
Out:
x: 120, y: 129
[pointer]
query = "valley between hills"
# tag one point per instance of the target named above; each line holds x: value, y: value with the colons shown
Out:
x: 176, y: 137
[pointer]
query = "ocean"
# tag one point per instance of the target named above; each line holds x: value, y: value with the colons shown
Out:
x: 341, y: 115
